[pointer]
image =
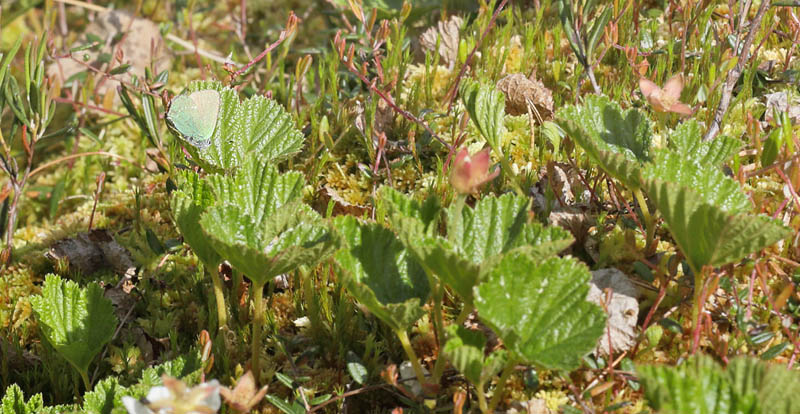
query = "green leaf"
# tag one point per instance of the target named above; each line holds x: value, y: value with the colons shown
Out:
x: 254, y: 126
x: 619, y: 142
x: 701, y: 386
x: 465, y: 350
x: 294, y: 237
x: 597, y: 29
x: 106, y: 395
x: 567, y: 17
x: 13, y: 402
x: 489, y: 228
x: 705, y: 214
x: 76, y: 322
x: 258, y: 189
x: 477, y: 237
x: 539, y: 309
x: 381, y: 274
x: 401, y: 205
x: 192, y: 198
x: 687, y: 140
x: 486, y: 107
x: 709, y: 185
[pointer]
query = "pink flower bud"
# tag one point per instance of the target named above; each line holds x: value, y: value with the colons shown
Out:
x: 469, y: 172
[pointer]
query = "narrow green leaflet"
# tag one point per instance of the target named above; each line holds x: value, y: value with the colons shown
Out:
x: 265, y: 250
x: 486, y: 107
x: 254, y: 126
x: 192, y: 198
x: 618, y: 141
x: 539, y: 309
x: 687, y: 140
x: 701, y: 386
x: 258, y: 188
x: 77, y: 322
x: 381, y: 274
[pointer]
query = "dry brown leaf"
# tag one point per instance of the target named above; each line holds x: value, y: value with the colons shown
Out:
x: 448, y: 32
x: 521, y: 92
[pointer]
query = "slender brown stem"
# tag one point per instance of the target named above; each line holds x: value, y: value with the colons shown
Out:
x: 451, y: 94
x: 733, y: 76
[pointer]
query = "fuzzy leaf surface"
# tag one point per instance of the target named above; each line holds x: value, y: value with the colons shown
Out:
x: 700, y: 385
x: 619, y: 142
x: 77, y: 322
x: 256, y: 126
x: 381, y: 274
x: 709, y: 185
x: 106, y: 395
x: 486, y: 107
x: 687, y: 140
x: 13, y: 402
x: 539, y: 309
x: 257, y: 188
x: 265, y: 250
x: 188, y: 203
x: 706, y: 233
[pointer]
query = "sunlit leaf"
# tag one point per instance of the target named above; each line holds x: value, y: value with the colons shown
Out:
x: 256, y: 127
x: 687, y: 140
x: 192, y: 198
x: 77, y: 322
x: 618, y: 141
x: 265, y: 250
x: 706, y: 214
x: 486, y: 107
x: 539, y: 309
x: 700, y: 385
x: 381, y: 274
x: 257, y: 188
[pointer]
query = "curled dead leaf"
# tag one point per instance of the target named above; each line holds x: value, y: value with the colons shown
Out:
x: 522, y: 93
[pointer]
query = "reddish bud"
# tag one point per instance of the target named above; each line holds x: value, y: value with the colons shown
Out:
x: 469, y: 172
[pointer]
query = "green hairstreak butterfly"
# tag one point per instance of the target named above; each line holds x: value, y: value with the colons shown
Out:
x: 194, y: 116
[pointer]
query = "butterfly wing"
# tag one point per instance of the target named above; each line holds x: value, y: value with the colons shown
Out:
x: 195, y: 115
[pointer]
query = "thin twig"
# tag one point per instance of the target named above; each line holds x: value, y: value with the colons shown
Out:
x: 451, y: 94
x: 733, y: 76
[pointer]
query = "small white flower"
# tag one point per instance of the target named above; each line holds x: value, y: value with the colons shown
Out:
x: 176, y: 398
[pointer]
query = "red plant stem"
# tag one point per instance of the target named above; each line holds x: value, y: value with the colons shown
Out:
x: 791, y: 188
x: 389, y: 101
x: 92, y: 107
x: 451, y: 94
x: 662, y: 292
x: 291, y: 22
